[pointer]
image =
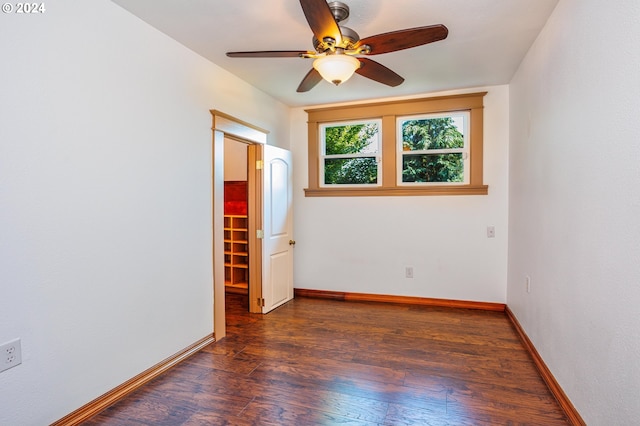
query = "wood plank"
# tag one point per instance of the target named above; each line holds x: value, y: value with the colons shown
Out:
x: 327, y: 361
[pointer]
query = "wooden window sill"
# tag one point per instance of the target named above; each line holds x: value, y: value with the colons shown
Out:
x: 404, y: 191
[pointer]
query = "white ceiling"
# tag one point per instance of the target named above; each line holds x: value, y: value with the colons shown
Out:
x: 487, y: 40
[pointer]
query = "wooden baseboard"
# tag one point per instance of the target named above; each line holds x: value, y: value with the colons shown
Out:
x: 97, y: 405
x: 545, y: 373
x: 407, y: 300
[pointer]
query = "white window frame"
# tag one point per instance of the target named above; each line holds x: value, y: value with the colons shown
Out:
x: 400, y: 153
x: 322, y: 154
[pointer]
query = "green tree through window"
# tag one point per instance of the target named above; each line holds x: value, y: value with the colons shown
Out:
x: 350, y: 154
x: 432, y: 150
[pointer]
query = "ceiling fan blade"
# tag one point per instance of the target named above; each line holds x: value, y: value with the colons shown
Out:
x: 309, y: 81
x: 321, y: 20
x: 270, y: 54
x: 378, y: 72
x: 404, y: 39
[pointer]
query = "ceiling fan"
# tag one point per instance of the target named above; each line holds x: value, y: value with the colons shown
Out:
x: 339, y: 50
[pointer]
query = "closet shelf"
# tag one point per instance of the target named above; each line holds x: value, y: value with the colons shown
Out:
x: 236, y: 251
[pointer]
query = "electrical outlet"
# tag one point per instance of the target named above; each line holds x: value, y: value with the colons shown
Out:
x: 408, y: 272
x: 491, y: 231
x: 10, y: 354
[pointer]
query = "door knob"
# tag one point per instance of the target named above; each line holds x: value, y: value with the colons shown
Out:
x: 292, y: 242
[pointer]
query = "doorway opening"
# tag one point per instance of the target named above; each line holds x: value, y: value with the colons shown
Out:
x: 247, y: 139
x: 256, y: 248
x: 236, y: 220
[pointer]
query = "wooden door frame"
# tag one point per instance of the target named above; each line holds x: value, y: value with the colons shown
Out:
x: 254, y: 189
x: 226, y: 126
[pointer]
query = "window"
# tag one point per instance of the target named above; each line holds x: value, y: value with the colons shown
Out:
x: 433, y: 149
x: 428, y: 146
x: 350, y: 153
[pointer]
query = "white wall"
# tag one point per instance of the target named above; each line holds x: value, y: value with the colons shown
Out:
x: 235, y: 160
x: 575, y: 204
x: 105, y: 199
x: 363, y: 244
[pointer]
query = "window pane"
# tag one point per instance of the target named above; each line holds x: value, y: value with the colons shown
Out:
x: 433, y: 168
x: 351, y: 171
x: 351, y: 139
x: 433, y: 133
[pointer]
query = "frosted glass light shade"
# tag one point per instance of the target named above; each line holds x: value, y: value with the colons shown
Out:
x: 336, y: 68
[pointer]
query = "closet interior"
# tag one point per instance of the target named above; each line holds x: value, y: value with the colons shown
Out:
x: 236, y: 232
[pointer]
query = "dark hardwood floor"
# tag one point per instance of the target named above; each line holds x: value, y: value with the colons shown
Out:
x: 326, y: 362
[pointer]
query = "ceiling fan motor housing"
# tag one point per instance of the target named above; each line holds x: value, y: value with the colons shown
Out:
x: 340, y: 10
x: 349, y: 39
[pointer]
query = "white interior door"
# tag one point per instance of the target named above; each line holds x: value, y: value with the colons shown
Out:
x: 278, y: 243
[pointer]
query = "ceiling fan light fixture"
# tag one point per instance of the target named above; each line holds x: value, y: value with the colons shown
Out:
x: 336, y: 68
x: 335, y: 46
